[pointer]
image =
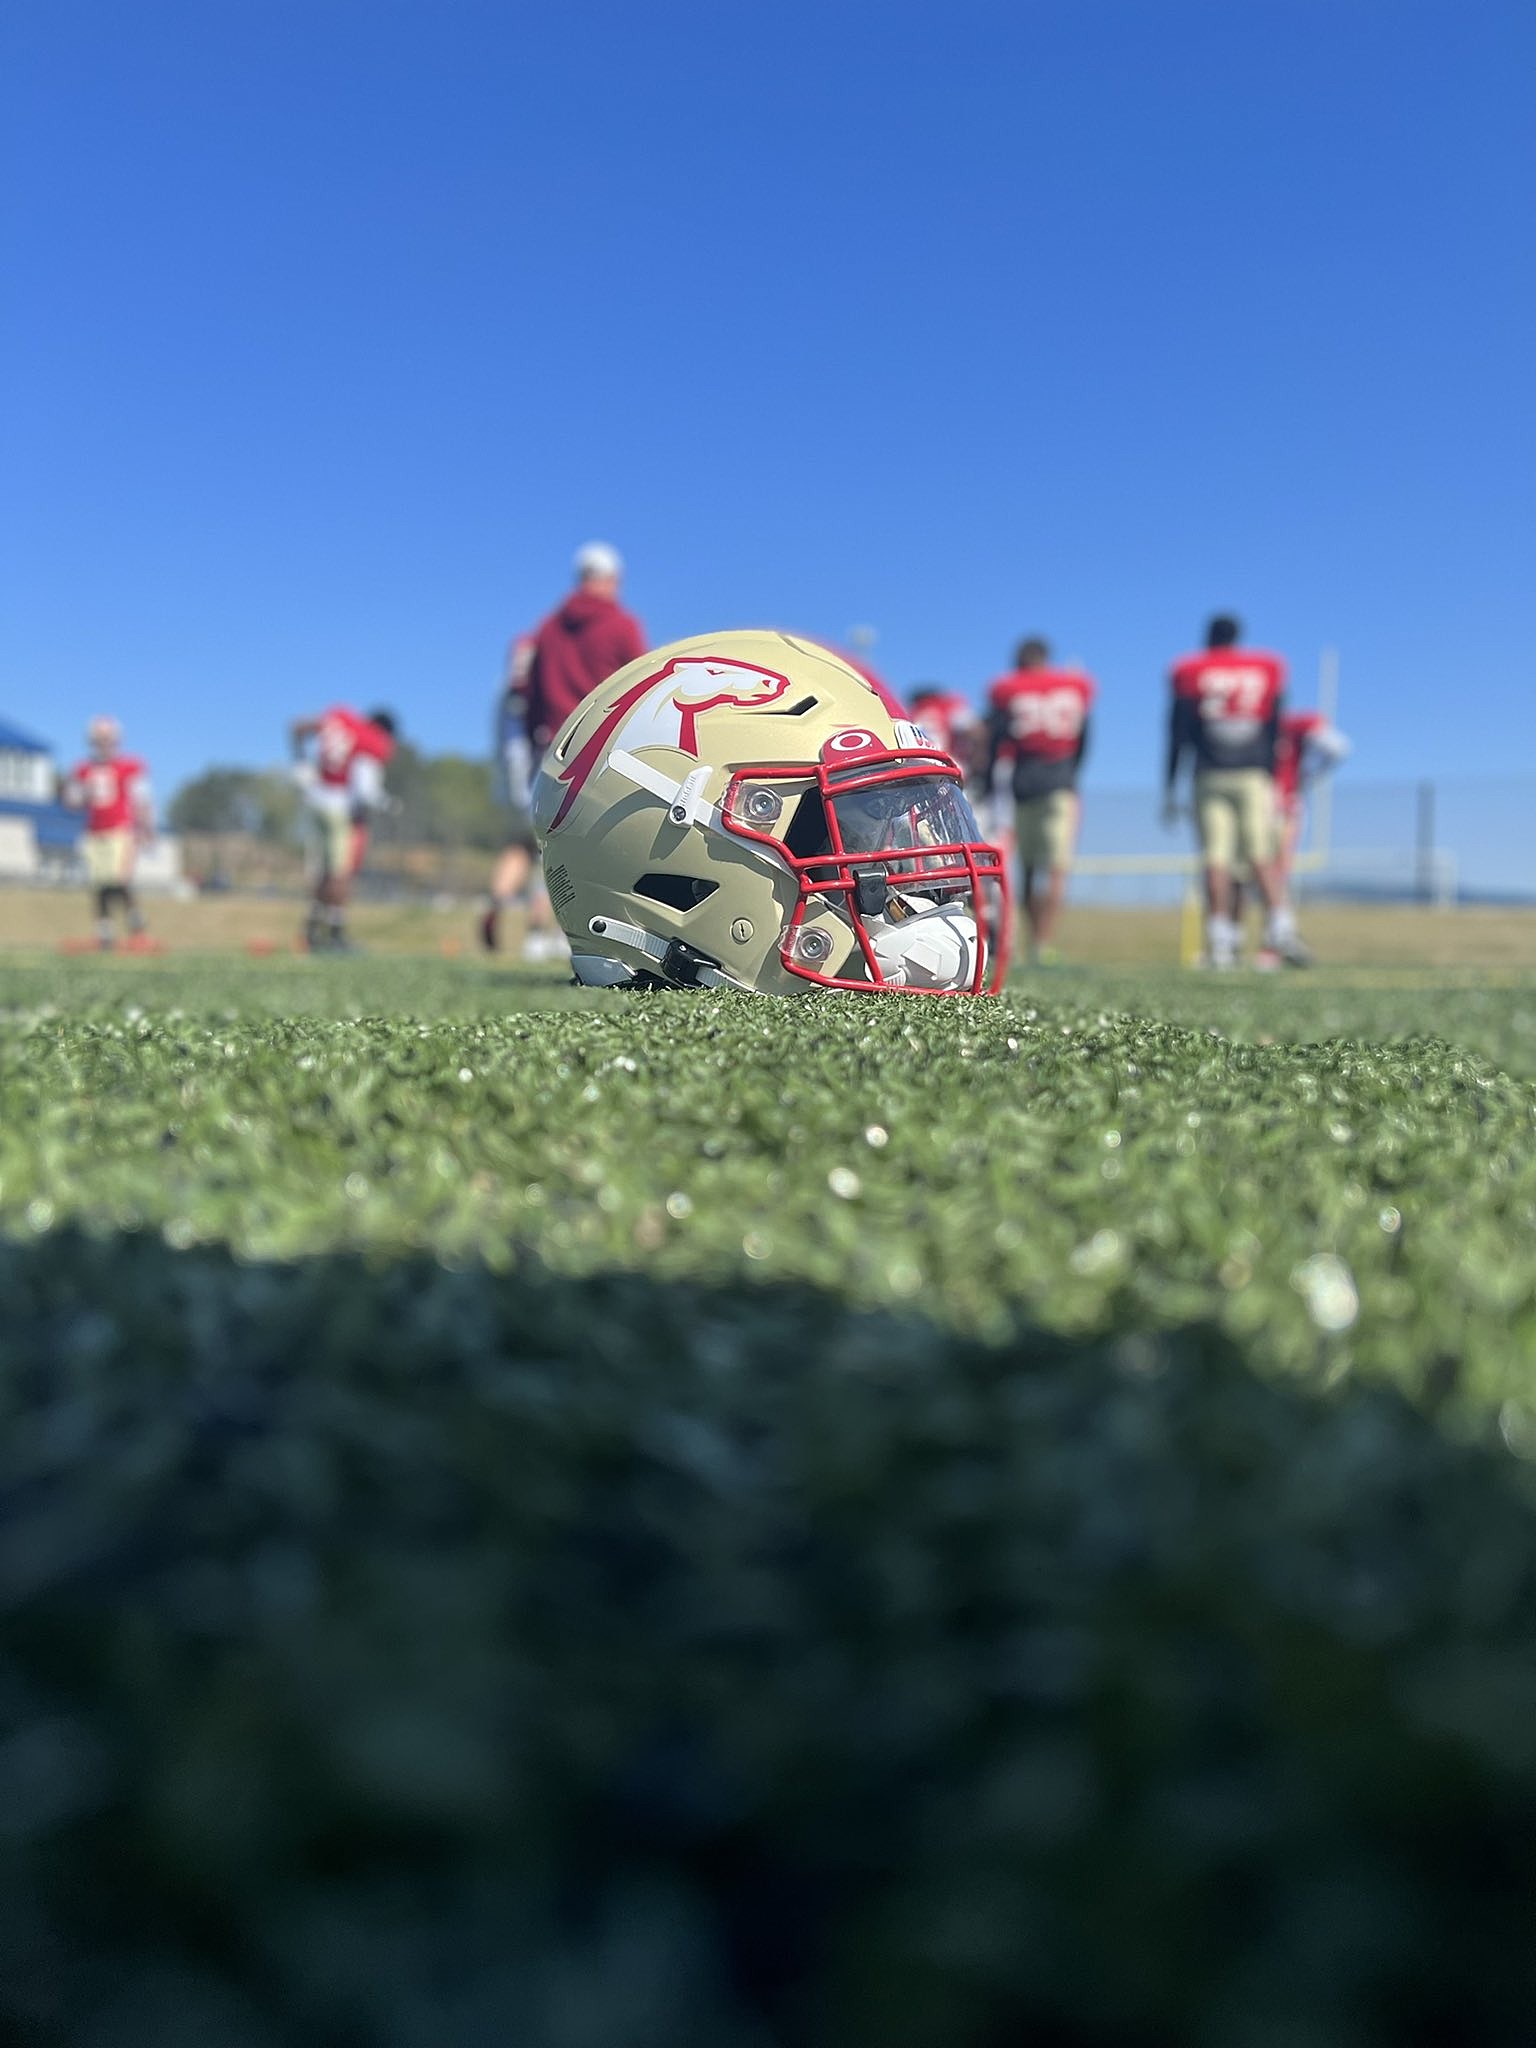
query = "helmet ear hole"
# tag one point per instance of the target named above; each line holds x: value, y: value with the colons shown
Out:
x: 678, y: 892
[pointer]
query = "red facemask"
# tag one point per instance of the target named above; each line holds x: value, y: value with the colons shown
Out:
x: 889, y: 840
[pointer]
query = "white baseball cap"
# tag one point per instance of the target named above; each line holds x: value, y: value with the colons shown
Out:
x: 596, y: 558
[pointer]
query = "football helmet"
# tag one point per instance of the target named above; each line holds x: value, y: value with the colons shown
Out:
x: 746, y: 810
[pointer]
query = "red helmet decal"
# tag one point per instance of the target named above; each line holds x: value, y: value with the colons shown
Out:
x: 852, y: 744
x: 663, y: 709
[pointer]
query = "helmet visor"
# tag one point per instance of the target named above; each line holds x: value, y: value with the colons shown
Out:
x: 909, y: 813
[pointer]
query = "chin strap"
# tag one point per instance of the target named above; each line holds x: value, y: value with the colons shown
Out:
x: 675, y: 961
x: 685, y: 801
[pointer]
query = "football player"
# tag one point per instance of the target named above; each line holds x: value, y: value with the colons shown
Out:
x: 112, y: 788
x: 581, y: 643
x: 340, y: 758
x: 950, y: 721
x: 1037, y: 743
x: 584, y: 639
x: 1225, y: 710
x: 1307, y: 748
x: 515, y: 877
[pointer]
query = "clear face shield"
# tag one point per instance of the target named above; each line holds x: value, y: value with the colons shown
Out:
x: 892, y: 848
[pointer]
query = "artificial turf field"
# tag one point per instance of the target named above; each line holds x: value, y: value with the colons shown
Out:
x: 547, y: 1517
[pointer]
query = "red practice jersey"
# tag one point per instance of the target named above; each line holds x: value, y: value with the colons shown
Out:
x: 111, y: 792
x: 1307, y: 746
x: 1228, y: 702
x: 581, y: 644
x: 948, y: 719
x: 343, y: 738
x: 1296, y: 729
x: 1039, y: 720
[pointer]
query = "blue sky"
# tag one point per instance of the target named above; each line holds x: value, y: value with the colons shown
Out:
x: 331, y: 328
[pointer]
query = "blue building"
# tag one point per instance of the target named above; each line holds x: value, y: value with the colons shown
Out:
x: 37, y: 832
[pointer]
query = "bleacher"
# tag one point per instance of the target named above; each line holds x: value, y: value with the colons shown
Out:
x: 37, y: 832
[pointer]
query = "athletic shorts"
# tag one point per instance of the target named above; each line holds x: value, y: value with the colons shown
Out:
x: 1235, y: 809
x: 340, y: 845
x: 519, y: 830
x: 1045, y: 829
x: 109, y: 858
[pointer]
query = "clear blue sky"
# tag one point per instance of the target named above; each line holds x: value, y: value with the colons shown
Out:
x: 331, y: 326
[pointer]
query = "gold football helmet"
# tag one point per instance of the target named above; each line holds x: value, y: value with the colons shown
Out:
x: 746, y: 810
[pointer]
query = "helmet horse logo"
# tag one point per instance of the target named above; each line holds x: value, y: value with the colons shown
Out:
x: 664, y: 709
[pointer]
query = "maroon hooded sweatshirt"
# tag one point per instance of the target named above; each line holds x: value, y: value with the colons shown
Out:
x: 577, y: 647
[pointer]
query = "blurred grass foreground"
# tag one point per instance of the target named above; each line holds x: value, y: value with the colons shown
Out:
x: 538, y: 1516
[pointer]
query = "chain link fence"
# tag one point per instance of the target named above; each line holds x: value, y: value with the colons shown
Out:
x: 1460, y: 840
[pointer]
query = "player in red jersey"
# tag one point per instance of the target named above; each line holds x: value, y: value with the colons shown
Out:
x: 950, y: 721
x: 582, y: 642
x: 1037, y: 743
x: 340, y: 759
x: 112, y: 789
x: 1225, y: 711
x: 1308, y: 747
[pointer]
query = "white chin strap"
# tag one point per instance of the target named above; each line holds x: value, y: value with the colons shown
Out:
x: 614, y: 932
x: 937, y: 949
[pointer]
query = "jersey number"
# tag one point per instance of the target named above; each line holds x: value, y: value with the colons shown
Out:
x: 1233, y: 693
x: 1046, y: 714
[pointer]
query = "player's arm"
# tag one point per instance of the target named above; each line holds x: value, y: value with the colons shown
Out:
x: 540, y: 732
x: 142, y: 799
x: 1081, y: 754
x: 1321, y: 753
x: 1272, y: 733
x: 511, y: 714
x: 72, y: 789
x: 994, y: 744
x: 998, y: 733
x: 514, y: 749
x: 1181, y: 716
x: 366, y: 793
x: 300, y: 733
